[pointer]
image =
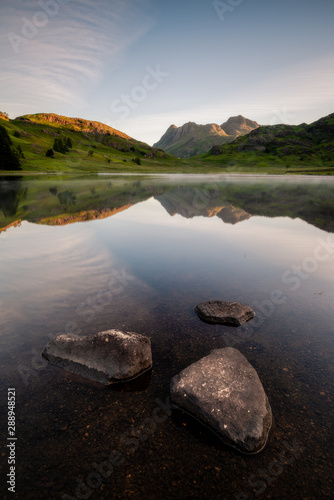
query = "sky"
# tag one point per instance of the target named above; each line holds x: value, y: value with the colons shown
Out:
x: 142, y: 65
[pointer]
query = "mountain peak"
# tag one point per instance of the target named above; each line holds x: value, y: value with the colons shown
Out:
x: 192, y: 139
x: 239, y: 125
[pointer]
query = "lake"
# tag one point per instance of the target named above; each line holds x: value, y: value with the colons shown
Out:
x: 137, y: 253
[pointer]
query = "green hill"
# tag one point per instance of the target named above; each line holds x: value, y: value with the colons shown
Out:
x: 292, y: 146
x: 95, y: 147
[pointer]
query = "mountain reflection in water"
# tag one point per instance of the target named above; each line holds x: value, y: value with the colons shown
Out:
x: 55, y: 201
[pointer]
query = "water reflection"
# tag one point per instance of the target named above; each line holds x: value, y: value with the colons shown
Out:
x: 67, y: 200
x: 12, y: 192
x: 137, y: 254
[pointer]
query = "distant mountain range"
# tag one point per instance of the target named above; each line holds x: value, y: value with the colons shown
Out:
x: 47, y: 142
x: 192, y: 139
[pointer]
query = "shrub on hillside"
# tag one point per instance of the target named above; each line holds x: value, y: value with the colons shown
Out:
x: 50, y: 153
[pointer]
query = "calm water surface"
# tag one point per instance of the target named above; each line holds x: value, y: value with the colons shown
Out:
x: 86, y: 254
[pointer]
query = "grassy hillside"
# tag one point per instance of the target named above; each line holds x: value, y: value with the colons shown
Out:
x: 95, y: 146
x: 293, y: 148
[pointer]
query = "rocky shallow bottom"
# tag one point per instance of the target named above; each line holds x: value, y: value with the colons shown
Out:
x: 70, y: 423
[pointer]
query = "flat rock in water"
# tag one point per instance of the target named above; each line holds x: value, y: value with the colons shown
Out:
x: 224, y: 313
x: 107, y: 357
x: 224, y: 392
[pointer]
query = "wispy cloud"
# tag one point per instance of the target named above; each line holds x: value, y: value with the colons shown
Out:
x: 65, y: 57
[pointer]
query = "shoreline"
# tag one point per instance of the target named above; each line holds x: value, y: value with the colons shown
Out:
x: 175, y: 175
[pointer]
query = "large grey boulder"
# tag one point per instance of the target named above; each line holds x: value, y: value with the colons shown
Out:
x: 224, y: 392
x: 107, y: 357
x: 224, y: 313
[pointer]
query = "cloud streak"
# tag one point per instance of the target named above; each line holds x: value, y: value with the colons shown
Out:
x: 64, y: 59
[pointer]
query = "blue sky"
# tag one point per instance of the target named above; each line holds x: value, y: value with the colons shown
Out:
x: 141, y: 65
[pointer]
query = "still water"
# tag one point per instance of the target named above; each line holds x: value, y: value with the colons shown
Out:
x: 87, y: 254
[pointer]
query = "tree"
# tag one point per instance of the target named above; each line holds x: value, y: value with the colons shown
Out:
x: 9, y: 157
x: 90, y: 152
x: 58, y: 146
x: 69, y: 143
x: 50, y: 153
x: 137, y: 160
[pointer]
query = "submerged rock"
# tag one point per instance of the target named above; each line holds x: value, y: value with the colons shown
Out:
x: 224, y: 392
x: 107, y: 357
x: 224, y: 313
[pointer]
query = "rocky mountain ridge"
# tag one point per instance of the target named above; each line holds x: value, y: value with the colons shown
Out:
x: 192, y: 139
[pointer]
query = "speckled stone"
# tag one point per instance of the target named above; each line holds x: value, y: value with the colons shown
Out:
x: 107, y: 357
x: 224, y: 392
x: 224, y: 313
